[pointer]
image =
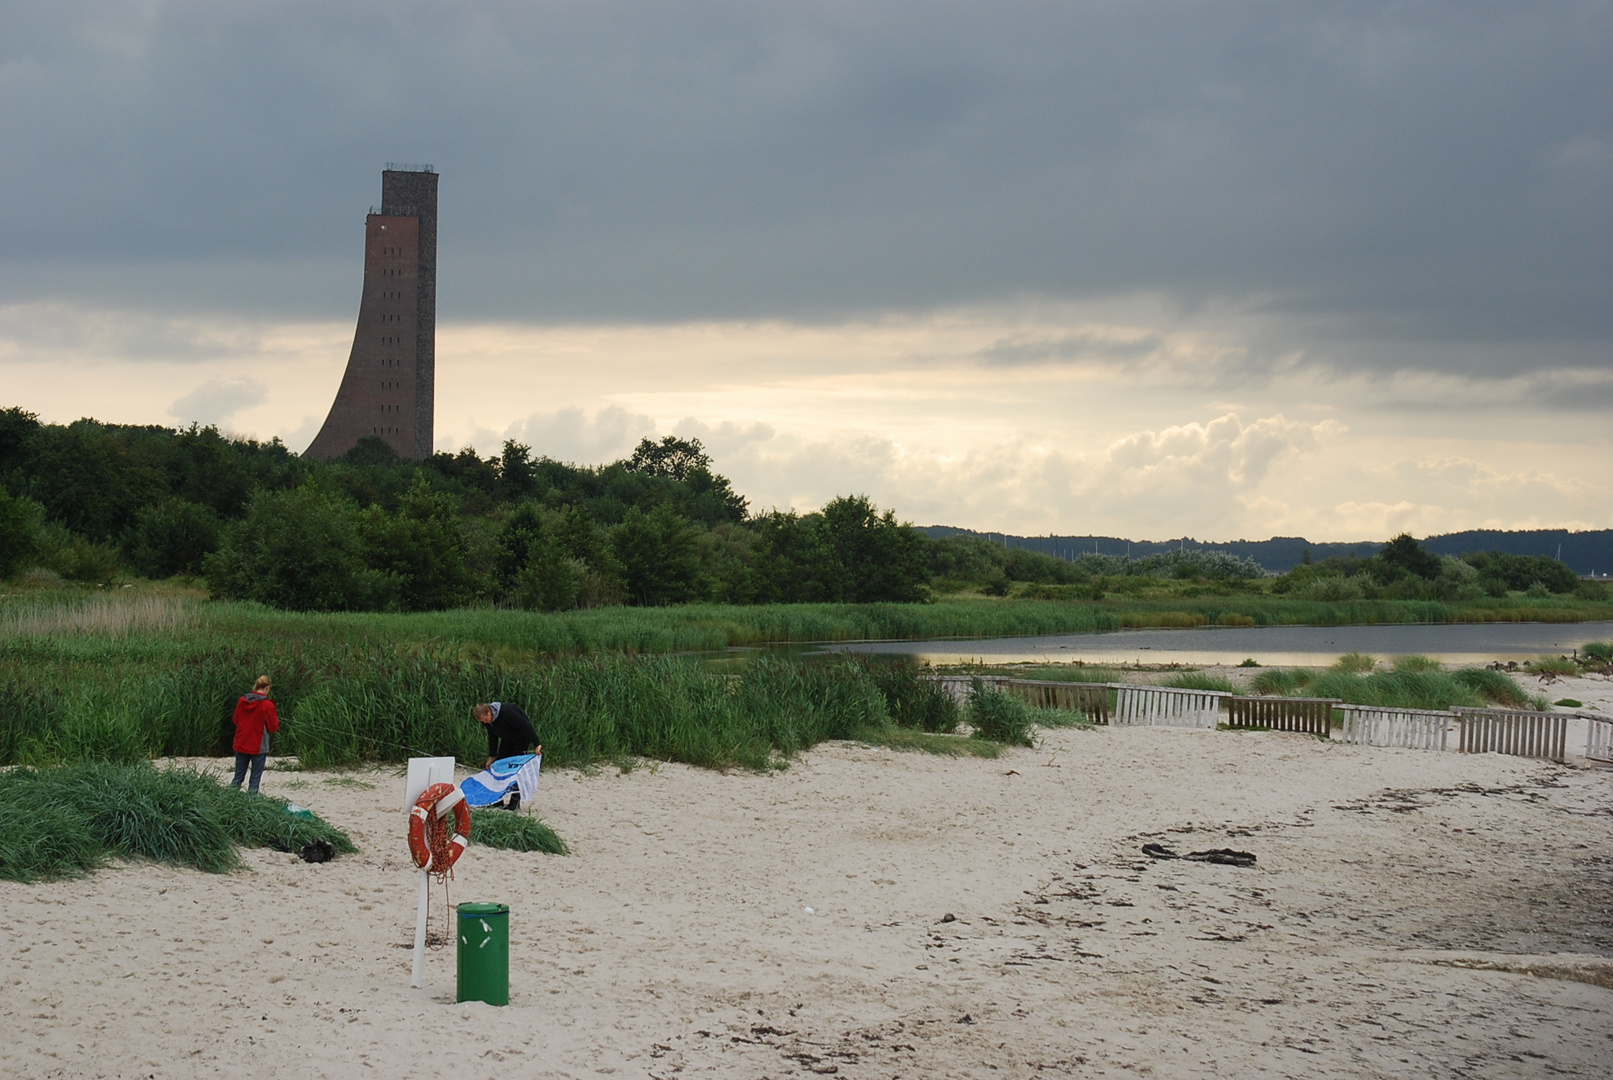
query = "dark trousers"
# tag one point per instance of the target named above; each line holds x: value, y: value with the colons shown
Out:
x: 241, y: 762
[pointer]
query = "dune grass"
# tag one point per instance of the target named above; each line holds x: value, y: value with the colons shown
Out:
x: 1412, y: 682
x: 514, y: 832
x: 1200, y: 680
x: 65, y: 822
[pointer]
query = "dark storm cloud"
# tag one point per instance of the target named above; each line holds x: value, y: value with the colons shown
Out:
x: 1433, y: 172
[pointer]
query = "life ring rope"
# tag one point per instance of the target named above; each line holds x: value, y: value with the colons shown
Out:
x: 434, y: 848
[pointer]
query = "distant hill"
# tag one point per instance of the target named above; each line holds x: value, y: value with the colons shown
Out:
x: 1584, y: 552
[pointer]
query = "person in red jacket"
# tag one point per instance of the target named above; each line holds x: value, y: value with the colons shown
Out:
x: 255, y: 717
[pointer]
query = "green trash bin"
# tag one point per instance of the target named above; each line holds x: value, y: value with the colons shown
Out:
x: 484, y: 953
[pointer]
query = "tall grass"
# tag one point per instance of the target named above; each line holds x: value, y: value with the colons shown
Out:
x: 1412, y: 683
x: 122, y: 679
x: 66, y: 821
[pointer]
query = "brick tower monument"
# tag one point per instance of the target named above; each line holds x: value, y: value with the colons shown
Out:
x: 387, y: 390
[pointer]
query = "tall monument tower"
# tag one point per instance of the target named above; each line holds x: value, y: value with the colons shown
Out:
x: 387, y: 390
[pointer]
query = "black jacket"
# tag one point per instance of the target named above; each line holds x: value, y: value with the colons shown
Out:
x: 510, y: 733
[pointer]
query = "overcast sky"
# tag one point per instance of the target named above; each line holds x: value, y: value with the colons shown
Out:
x: 1144, y: 269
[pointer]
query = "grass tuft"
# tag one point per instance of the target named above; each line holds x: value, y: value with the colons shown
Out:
x: 1200, y: 680
x: 514, y: 832
x: 998, y: 717
x: 75, y: 818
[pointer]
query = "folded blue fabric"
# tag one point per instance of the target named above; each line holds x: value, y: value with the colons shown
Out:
x: 492, y: 784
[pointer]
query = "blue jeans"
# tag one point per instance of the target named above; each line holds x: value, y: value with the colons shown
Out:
x: 241, y: 762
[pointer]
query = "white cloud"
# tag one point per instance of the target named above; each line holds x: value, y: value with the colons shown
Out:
x: 216, y: 400
x: 570, y: 434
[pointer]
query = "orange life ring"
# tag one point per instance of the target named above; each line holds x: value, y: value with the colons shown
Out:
x: 435, y: 803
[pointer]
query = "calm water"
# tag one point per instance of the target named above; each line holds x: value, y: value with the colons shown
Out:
x: 1306, y: 645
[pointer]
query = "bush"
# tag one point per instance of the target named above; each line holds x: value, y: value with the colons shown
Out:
x: 998, y: 717
x: 19, y: 533
x: 1599, y: 650
x: 76, y: 558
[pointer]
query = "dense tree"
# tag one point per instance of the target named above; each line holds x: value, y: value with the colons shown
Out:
x: 421, y: 548
x: 172, y: 537
x: 1404, y: 555
x: 298, y: 549
x: 873, y: 557
x: 1499, y: 571
x: 671, y: 457
x: 659, y: 556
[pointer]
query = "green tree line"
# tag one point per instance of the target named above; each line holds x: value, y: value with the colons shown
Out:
x: 91, y: 502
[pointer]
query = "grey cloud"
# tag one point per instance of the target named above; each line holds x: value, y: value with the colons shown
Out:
x: 1082, y: 345
x: 216, y: 400
x: 1424, y: 174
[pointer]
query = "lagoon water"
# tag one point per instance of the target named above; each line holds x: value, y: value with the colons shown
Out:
x: 1281, y: 645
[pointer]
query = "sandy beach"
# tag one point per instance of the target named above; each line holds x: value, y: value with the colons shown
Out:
x: 1410, y: 914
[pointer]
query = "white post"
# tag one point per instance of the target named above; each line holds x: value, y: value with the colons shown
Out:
x: 419, y: 976
x: 423, y: 772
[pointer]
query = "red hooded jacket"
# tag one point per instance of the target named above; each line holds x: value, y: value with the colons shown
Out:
x: 255, y: 717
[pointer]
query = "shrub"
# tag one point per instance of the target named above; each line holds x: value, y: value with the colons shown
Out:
x: 1599, y: 650
x: 998, y: 717
x: 1355, y: 661
x: 172, y: 537
x: 19, y: 533
x: 75, y: 558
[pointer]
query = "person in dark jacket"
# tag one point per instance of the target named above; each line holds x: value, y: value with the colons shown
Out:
x: 509, y: 732
x: 255, y: 718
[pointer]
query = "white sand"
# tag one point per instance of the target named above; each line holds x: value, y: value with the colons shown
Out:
x: 674, y: 940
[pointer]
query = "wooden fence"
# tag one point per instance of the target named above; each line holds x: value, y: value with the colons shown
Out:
x: 1313, y: 716
x: 958, y: 685
x: 1415, y: 729
x: 1599, y: 739
x: 1164, y: 706
x: 1513, y: 731
x: 1089, y: 698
